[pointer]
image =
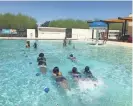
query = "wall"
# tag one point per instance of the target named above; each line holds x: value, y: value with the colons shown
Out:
x: 51, y: 33
x: 81, y: 33
x: 31, y: 33
x: 130, y: 23
x: 113, y: 34
x: 60, y: 33
x: 130, y: 26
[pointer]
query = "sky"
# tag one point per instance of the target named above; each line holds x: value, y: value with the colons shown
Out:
x: 51, y: 10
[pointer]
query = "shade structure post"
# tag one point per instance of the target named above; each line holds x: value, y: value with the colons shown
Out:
x: 107, y: 30
x: 122, y: 30
x: 125, y: 27
x: 97, y: 35
x: 92, y: 33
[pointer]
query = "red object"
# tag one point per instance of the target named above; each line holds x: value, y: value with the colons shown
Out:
x: 130, y: 39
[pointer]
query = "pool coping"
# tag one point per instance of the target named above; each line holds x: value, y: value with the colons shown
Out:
x: 125, y: 44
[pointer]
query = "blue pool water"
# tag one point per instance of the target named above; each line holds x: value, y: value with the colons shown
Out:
x: 19, y: 85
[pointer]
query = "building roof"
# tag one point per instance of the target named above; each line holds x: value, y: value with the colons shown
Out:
x: 98, y: 24
x: 125, y: 18
x: 110, y: 21
x: 115, y: 20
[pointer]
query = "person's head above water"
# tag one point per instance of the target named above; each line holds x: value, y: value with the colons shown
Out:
x: 74, y: 70
x: 87, y: 69
x: 35, y: 43
x: 55, y: 70
x: 28, y: 42
x: 71, y: 55
x: 41, y: 55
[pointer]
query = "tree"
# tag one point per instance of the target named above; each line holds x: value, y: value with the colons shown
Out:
x: 19, y: 21
x: 45, y: 24
x: 68, y: 23
x: 115, y: 26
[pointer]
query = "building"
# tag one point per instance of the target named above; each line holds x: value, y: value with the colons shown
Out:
x: 130, y: 25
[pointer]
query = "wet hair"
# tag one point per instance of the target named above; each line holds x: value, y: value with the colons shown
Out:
x: 35, y: 45
x: 40, y: 63
x: 56, y: 70
x: 41, y: 55
x: 87, y: 69
x: 41, y: 58
x: 28, y: 42
x: 71, y: 55
x: 74, y: 70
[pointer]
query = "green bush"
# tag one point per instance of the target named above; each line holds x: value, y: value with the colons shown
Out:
x: 71, y: 23
x: 19, y: 21
x: 68, y: 23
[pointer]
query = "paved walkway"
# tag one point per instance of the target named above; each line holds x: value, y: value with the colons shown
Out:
x: 120, y: 43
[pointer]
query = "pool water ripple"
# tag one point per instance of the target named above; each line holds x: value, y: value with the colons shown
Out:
x: 21, y: 87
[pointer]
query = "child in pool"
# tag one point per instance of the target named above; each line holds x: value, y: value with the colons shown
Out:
x: 61, y: 80
x: 71, y: 57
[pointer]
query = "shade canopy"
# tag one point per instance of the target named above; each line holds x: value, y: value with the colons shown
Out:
x: 125, y: 18
x: 98, y: 25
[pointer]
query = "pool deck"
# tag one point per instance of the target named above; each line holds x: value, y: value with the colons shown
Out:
x: 89, y: 40
x: 125, y: 44
x: 120, y: 43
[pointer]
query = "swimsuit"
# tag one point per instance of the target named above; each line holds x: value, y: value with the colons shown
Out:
x: 89, y: 74
x: 60, y: 79
x: 76, y: 75
x: 42, y: 63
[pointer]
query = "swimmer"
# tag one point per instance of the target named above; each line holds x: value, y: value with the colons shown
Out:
x: 71, y: 57
x: 75, y: 74
x: 43, y: 67
x: 28, y: 44
x: 61, y: 80
x: 69, y: 42
x: 42, y: 63
x: 73, y: 46
x: 41, y: 57
x: 88, y: 73
x: 35, y: 45
x: 56, y: 71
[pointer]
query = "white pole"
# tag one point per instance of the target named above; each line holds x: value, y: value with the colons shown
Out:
x: 97, y: 36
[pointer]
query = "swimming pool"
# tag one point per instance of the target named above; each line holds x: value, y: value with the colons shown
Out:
x: 20, y: 86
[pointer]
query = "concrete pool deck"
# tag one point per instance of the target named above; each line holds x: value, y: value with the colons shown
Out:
x: 89, y: 40
x: 125, y: 44
x: 120, y: 43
